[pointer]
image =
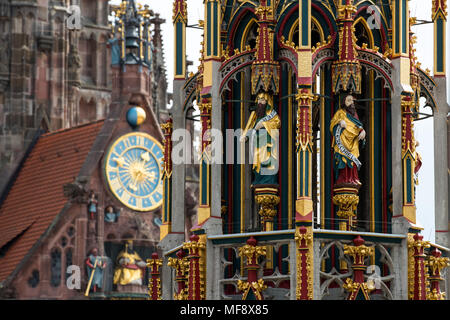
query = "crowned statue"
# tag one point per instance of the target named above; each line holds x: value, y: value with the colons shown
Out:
x: 129, y: 266
x: 263, y: 126
x: 348, y: 133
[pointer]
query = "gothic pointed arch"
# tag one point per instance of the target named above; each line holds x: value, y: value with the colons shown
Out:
x: 42, y: 119
x: 87, y: 110
x: 375, y: 21
x: 363, y: 33
x: 241, y: 21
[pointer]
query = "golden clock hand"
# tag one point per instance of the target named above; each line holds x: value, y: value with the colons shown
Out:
x: 133, y: 183
x: 146, y: 157
x: 120, y: 161
x: 132, y: 186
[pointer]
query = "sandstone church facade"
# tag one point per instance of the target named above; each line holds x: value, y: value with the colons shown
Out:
x: 67, y: 95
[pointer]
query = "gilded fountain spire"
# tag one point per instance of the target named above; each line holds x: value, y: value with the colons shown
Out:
x: 265, y: 70
x: 347, y: 69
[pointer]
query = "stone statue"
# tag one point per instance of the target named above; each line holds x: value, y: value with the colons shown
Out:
x: 74, y: 64
x: 347, y: 132
x: 264, y: 124
x: 95, y: 266
x: 129, y: 266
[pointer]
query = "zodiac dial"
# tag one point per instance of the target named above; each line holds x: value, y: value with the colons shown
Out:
x: 133, y: 171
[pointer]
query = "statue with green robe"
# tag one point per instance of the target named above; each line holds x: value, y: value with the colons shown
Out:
x: 263, y: 126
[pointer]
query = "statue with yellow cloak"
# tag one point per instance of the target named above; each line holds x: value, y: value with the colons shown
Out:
x: 263, y: 124
x: 347, y: 132
x: 129, y: 266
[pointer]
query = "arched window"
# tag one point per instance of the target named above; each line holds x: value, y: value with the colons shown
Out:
x: 71, y: 231
x: 103, y: 74
x: 362, y: 34
x: 55, y: 268
x: 88, y: 53
x: 316, y: 34
x: 250, y: 36
x: 18, y: 23
x: 29, y: 24
x: 63, y: 242
x: 89, y: 10
x: 33, y: 280
x: 69, y: 261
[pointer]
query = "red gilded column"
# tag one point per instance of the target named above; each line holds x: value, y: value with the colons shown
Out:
x: 196, y: 276
x: 253, y: 287
x: 358, y: 289
x: 436, y: 263
x: 304, y: 240
x: 417, y: 272
x: 154, y: 285
x: 181, y: 265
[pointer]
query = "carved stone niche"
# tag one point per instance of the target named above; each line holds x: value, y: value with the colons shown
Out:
x: 74, y: 66
x: 45, y: 38
x: 4, y: 63
x: 4, y: 82
x: 4, y: 10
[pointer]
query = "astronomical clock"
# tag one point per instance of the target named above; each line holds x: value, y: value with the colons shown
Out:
x: 133, y: 167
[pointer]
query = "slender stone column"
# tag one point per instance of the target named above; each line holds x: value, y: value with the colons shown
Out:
x: 439, y: 17
x: 175, y: 236
x: 403, y: 207
x: 441, y: 173
x: 209, y: 211
x: 176, y: 233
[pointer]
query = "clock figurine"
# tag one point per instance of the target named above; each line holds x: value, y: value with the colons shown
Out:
x: 133, y: 171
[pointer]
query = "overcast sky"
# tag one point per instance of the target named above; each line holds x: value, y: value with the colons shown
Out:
x: 424, y: 129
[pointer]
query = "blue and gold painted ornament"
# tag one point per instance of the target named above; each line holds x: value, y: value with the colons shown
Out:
x: 136, y: 116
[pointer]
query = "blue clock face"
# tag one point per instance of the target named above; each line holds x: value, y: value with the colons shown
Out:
x: 133, y: 171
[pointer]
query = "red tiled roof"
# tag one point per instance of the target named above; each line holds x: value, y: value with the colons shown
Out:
x: 36, y: 196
